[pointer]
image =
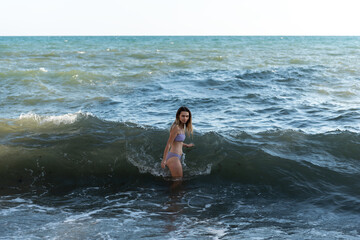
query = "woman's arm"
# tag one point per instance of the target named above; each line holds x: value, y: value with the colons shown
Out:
x: 188, y: 145
x: 173, y: 133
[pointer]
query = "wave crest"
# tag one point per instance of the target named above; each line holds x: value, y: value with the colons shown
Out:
x: 69, y: 118
x: 79, y: 148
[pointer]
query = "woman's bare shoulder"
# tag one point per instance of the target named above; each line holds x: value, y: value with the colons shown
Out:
x: 175, y: 128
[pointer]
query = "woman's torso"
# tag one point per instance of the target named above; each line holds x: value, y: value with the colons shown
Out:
x: 176, y: 146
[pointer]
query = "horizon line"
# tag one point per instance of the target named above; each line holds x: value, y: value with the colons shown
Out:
x: 185, y: 35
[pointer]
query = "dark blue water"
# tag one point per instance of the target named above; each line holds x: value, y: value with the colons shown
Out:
x: 84, y: 122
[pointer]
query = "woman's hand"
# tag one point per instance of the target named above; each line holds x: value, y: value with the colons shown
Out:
x: 163, y: 163
x: 189, y: 145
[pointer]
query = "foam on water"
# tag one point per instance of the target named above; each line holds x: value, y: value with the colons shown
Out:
x: 69, y: 118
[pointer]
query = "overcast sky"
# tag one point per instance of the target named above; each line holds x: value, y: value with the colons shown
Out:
x: 179, y: 17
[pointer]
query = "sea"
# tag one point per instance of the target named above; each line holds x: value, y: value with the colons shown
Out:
x: 84, y: 121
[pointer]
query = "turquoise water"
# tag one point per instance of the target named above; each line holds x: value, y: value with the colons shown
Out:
x: 84, y: 121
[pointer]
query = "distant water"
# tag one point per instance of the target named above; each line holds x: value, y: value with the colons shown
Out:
x: 84, y: 122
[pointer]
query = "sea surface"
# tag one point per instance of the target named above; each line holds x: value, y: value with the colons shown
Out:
x: 84, y: 122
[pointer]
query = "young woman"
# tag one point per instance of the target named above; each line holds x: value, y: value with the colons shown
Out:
x: 173, y: 150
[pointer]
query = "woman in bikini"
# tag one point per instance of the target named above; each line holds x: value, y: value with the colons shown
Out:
x: 173, y: 150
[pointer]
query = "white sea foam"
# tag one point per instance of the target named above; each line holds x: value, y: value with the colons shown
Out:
x: 147, y: 164
x: 68, y: 118
x: 217, y: 233
x: 81, y: 217
x: 9, y: 211
x: 16, y: 200
x: 154, y: 169
x: 43, y: 69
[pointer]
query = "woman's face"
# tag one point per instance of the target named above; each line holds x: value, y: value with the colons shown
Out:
x: 184, y: 117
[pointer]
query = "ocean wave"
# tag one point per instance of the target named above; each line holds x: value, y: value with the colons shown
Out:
x: 70, y: 118
x: 253, y: 79
x: 82, y: 149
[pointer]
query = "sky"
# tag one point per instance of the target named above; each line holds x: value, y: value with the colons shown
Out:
x: 179, y: 17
